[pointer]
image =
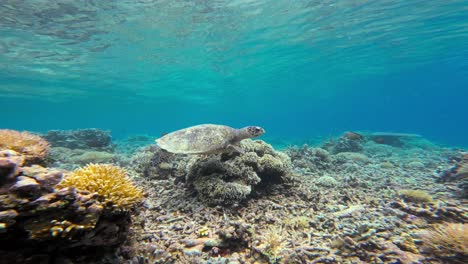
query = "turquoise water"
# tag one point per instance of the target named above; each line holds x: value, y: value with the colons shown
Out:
x: 301, y: 69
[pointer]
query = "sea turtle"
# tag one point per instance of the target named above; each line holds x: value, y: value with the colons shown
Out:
x: 207, y: 139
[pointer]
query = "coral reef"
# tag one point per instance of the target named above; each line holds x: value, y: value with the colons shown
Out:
x: 32, y: 147
x: 89, y: 139
x: 230, y: 178
x: 41, y: 223
x: 109, y: 182
x: 382, y: 204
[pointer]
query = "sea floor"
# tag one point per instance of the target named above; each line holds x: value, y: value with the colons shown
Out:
x: 346, y: 200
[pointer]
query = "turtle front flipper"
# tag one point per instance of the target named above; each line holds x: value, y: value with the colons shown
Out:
x: 235, y: 148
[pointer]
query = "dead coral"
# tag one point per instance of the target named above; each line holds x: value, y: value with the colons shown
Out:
x: 33, y: 147
x: 448, y: 241
x: 110, y: 182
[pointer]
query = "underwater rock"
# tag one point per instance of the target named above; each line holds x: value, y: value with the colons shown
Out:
x: 230, y: 178
x: 91, y: 138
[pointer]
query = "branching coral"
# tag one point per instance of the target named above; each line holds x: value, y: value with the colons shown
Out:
x: 108, y: 181
x: 273, y: 244
x: 32, y: 146
x: 448, y: 240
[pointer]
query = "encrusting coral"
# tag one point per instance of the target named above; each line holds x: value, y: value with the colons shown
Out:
x: 110, y: 182
x: 33, y: 147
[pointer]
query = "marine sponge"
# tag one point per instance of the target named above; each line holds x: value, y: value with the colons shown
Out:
x: 448, y: 240
x: 33, y: 147
x: 110, y: 182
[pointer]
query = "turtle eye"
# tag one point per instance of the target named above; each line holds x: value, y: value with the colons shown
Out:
x: 257, y: 130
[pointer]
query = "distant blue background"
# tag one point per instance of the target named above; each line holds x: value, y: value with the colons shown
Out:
x: 432, y: 102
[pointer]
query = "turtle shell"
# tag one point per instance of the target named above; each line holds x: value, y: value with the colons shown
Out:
x: 201, y: 139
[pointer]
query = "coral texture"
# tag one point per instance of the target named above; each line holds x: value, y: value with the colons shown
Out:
x: 110, y: 182
x: 32, y: 147
x: 231, y: 178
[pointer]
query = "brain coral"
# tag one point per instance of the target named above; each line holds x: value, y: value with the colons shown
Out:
x: 33, y: 147
x: 231, y: 178
x: 110, y: 182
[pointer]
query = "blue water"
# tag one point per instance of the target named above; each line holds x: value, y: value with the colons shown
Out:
x: 301, y: 69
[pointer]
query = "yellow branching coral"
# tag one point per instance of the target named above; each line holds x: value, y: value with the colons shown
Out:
x: 108, y: 181
x: 24, y: 142
x: 446, y: 240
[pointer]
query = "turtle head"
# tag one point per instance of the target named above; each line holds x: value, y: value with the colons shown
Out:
x: 250, y: 132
